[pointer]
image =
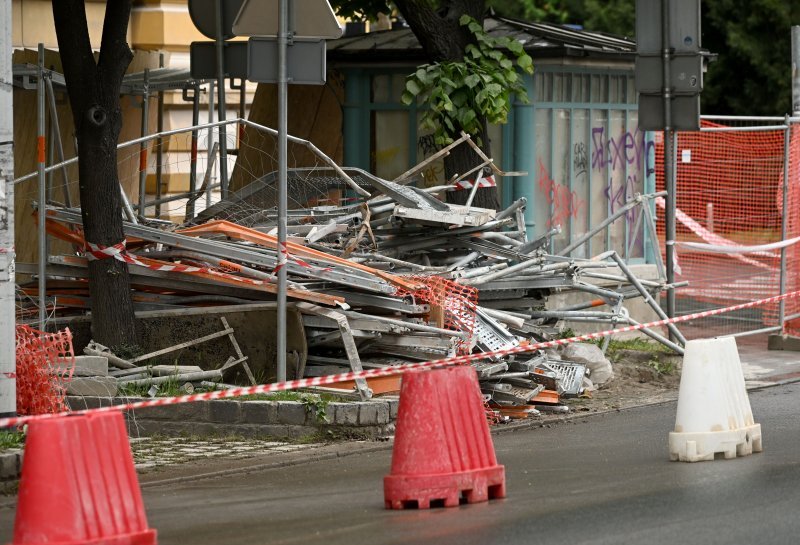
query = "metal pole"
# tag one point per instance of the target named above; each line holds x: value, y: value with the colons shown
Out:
x: 784, y: 220
x: 160, y: 141
x: 42, y: 238
x: 193, y: 159
x: 57, y: 140
x: 223, y: 144
x: 143, y: 145
x: 210, y: 147
x: 283, y: 91
x: 8, y: 384
x: 796, y: 70
x: 669, y: 152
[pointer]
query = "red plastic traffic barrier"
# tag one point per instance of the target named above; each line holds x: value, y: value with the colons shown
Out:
x: 79, y: 486
x: 442, y: 449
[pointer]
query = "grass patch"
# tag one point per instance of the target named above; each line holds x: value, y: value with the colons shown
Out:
x: 11, y: 439
x: 170, y: 388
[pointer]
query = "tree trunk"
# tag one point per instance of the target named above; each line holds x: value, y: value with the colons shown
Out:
x: 444, y: 40
x: 94, y: 89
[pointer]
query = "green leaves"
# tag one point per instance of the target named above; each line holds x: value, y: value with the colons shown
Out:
x: 459, y: 94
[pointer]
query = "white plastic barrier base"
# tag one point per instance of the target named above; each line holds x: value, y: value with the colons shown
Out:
x: 714, y: 415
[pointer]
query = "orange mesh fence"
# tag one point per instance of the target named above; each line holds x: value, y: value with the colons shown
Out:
x: 457, y: 304
x: 730, y: 192
x: 45, y: 362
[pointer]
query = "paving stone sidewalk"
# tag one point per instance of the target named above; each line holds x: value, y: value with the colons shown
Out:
x: 150, y: 453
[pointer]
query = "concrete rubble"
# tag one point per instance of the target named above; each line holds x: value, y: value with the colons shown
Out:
x: 399, y: 276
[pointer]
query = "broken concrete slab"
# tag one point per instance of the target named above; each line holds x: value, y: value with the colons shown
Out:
x: 92, y: 386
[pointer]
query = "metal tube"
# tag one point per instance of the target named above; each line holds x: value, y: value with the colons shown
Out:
x: 647, y: 297
x: 193, y: 157
x: 57, y: 140
x: 160, y: 141
x: 651, y: 227
x: 223, y: 137
x: 617, y: 278
x: 283, y: 90
x: 143, y: 144
x: 606, y: 222
x: 784, y: 222
x: 42, y: 234
x: 754, y: 332
x: 653, y: 335
x: 796, y: 70
x: 516, y: 268
x: 464, y: 261
x: 402, y: 323
x: 513, y: 207
x: 669, y: 171
x: 212, y: 146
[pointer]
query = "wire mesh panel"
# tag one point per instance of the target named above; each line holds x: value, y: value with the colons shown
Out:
x: 729, y: 192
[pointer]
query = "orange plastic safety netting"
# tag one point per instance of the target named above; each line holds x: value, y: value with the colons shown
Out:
x: 45, y: 362
x: 729, y: 192
x: 458, y: 305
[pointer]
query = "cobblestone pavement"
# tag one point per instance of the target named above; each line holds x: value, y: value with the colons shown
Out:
x: 154, y: 452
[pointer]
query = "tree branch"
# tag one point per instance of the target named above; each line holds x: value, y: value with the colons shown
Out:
x: 72, y: 32
x: 115, y: 55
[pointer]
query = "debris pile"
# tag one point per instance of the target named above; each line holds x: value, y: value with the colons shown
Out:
x: 383, y: 272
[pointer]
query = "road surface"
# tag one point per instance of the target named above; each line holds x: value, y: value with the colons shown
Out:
x: 604, y: 479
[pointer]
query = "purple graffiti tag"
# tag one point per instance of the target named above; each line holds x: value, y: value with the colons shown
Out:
x: 629, y: 149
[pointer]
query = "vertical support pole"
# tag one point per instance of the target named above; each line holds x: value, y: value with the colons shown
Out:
x: 525, y: 156
x: 669, y: 165
x: 57, y: 140
x: 796, y: 71
x: 193, y: 157
x: 283, y: 91
x: 784, y: 220
x: 223, y: 143
x: 40, y: 145
x: 159, y: 142
x: 8, y: 382
x: 210, y: 147
x: 143, y: 145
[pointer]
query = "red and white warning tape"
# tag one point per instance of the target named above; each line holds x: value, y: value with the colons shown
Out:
x: 284, y: 257
x: 118, y: 251
x: 488, y: 181
x: 395, y: 370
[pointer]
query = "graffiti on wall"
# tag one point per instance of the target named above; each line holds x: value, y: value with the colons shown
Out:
x: 564, y: 203
x: 629, y: 149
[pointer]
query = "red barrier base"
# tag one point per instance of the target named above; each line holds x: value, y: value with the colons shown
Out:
x: 424, y: 491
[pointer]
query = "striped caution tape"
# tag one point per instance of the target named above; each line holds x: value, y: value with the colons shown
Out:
x: 284, y: 256
x: 394, y: 370
x: 488, y: 181
x: 118, y: 251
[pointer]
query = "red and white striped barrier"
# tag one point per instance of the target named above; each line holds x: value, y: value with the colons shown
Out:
x: 395, y: 370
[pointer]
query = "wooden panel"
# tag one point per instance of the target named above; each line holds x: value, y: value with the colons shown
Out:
x: 25, y: 151
x: 314, y: 114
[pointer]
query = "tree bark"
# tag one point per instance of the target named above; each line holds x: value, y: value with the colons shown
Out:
x: 94, y: 95
x: 445, y: 40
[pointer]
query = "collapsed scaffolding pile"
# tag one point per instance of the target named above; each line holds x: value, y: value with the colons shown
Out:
x: 397, y: 276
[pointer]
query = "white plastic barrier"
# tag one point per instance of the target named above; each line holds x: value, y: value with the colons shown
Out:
x: 714, y: 414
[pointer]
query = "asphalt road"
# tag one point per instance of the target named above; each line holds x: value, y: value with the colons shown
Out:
x: 603, y: 480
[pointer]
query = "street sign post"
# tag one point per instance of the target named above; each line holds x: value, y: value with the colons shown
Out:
x: 669, y: 64
x: 669, y: 79
x: 305, y: 61
x: 257, y: 18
